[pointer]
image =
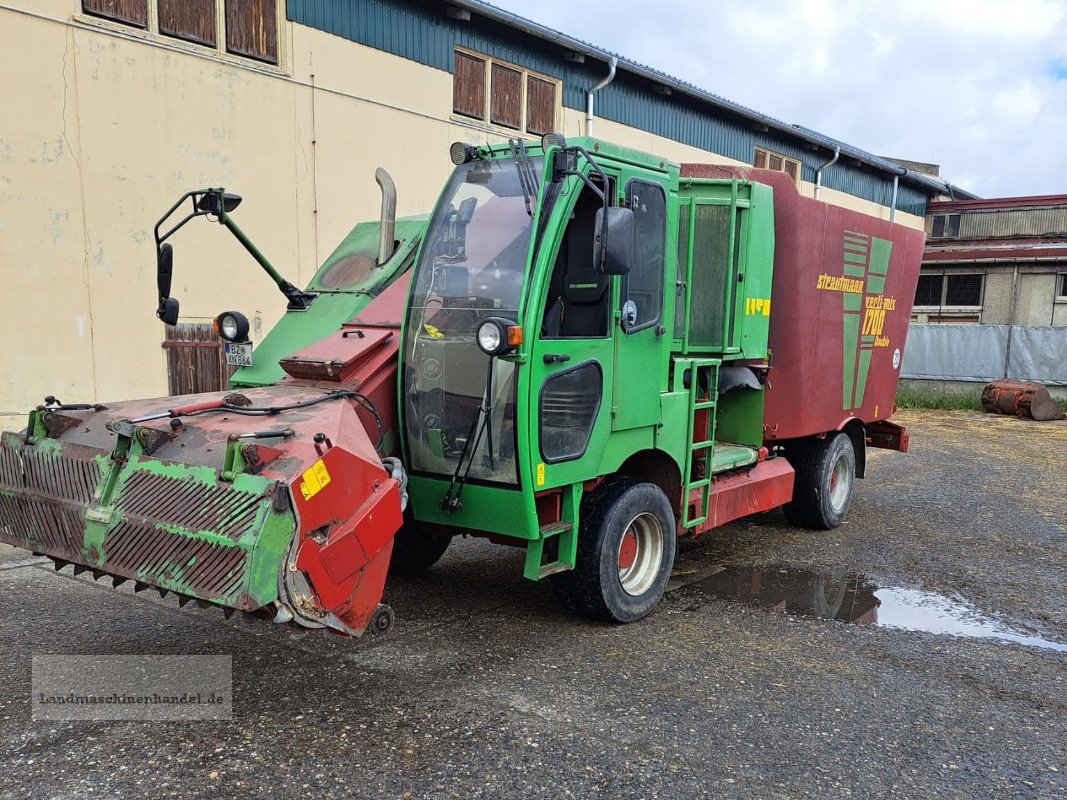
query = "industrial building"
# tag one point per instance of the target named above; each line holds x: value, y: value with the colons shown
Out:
x: 114, y: 108
x: 996, y: 262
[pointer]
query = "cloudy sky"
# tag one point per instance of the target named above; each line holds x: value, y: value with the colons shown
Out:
x: 977, y: 86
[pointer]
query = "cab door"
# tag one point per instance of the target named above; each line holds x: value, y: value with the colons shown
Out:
x: 571, y: 359
x: 641, y: 338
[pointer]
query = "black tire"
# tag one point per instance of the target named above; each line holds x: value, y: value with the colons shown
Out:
x: 618, y: 507
x: 819, y: 501
x: 417, y: 546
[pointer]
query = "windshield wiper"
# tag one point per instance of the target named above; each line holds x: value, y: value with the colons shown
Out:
x: 527, y: 179
x: 481, y: 424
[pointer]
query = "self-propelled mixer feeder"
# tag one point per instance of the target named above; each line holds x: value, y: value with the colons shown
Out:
x: 595, y: 352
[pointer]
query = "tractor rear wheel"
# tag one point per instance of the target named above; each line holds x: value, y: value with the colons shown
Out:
x: 824, y: 482
x: 626, y: 546
x: 417, y: 546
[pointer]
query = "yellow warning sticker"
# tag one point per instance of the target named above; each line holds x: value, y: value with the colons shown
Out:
x: 315, y: 478
x: 540, y: 474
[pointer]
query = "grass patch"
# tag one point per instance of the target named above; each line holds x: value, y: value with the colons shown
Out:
x: 929, y: 397
x: 943, y: 399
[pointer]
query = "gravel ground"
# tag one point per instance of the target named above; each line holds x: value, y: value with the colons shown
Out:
x: 487, y: 689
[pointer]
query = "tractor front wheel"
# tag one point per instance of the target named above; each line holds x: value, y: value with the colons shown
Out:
x: 824, y: 481
x: 417, y: 546
x: 626, y: 546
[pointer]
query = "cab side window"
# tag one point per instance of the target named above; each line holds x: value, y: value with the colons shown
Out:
x: 578, y: 297
x: 643, y: 286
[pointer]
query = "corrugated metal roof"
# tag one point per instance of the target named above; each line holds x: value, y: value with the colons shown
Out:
x: 931, y: 185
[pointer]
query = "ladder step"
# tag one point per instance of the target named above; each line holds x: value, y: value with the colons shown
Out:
x: 698, y: 485
x: 703, y: 445
x: 554, y: 529
x: 552, y: 569
x: 704, y: 404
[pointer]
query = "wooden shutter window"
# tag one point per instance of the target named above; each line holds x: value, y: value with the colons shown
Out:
x: 540, y: 105
x: 252, y: 29
x: 760, y: 161
x: 130, y: 12
x: 505, y: 107
x: 192, y: 20
x: 792, y: 169
x: 468, y: 86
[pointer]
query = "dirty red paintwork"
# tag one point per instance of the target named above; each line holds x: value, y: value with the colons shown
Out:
x: 357, y: 512
x: 805, y: 385
x: 767, y: 485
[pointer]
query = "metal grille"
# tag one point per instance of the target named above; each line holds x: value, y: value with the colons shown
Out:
x: 41, y: 526
x: 963, y: 290
x: 156, y: 556
x: 46, y: 495
x: 928, y: 290
x: 711, y: 231
x: 194, y: 506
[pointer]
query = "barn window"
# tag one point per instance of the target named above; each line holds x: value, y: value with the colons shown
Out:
x: 130, y: 12
x: 768, y: 159
x: 192, y: 20
x: 468, y: 86
x: 506, y: 104
x: 540, y: 105
x: 252, y: 29
x: 243, y: 27
x: 501, y: 94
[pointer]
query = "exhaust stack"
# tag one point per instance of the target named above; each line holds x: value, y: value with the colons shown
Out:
x: 386, y: 240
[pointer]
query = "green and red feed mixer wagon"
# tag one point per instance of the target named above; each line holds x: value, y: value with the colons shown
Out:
x: 586, y: 351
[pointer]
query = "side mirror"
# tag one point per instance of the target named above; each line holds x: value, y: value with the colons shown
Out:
x: 466, y: 210
x: 564, y: 162
x: 613, y: 242
x: 168, y: 311
x: 168, y: 306
x: 164, y: 270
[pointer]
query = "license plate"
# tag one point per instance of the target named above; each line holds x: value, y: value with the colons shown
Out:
x: 238, y: 355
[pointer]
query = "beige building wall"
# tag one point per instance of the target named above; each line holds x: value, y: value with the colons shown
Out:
x: 104, y: 127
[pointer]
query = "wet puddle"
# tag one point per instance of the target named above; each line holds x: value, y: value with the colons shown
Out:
x: 851, y: 599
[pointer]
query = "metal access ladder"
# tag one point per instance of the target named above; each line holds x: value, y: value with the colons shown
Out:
x: 700, y: 445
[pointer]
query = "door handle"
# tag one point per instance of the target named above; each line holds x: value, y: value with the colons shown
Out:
x: 556, y: 358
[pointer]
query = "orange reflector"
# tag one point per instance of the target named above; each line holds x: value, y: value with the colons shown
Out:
x: 215, y: 326
x: 514, y: 335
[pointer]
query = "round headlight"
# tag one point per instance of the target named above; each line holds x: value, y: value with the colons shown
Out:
x: 232, y: 326
x: 490, y: 338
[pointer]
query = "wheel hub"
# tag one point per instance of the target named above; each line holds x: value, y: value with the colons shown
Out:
x: 640, y: 554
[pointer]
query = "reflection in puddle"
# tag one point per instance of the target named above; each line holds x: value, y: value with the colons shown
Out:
x: 853, y: 599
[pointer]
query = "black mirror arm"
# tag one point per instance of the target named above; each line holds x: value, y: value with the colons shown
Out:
x: 601, y: 193
x: 298, y: 300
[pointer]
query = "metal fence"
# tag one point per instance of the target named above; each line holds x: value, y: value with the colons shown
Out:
x: 983, y: 353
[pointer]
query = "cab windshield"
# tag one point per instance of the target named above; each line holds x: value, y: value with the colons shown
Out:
x: 471, y: 267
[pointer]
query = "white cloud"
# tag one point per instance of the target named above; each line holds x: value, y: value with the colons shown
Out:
x: 968, y: 84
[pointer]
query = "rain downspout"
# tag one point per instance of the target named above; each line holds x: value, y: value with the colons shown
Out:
x: 893, y: 202
x: 589, y: 97
x: 818, y: 172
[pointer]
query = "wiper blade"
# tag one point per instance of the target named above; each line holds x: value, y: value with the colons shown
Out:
x: 522, y: 166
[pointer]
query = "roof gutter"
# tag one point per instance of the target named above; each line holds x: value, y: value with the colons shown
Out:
x: 795, y: 131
